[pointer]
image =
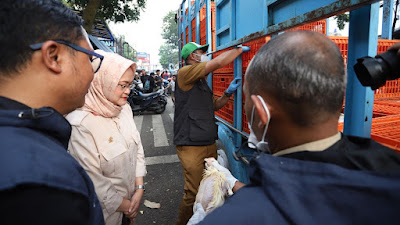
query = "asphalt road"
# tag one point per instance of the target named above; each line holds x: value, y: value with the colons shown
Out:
x: 164, y: 180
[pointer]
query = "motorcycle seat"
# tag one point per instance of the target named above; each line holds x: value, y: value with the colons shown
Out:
x: 148, y: 94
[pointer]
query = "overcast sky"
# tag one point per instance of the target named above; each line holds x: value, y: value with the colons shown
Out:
x: 145, y: 35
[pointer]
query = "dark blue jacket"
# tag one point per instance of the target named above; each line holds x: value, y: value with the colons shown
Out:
x: 291, y: 191
x: 33, y: 152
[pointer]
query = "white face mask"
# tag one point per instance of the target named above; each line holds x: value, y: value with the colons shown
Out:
x: 203, y: 58
x: 253, y: 141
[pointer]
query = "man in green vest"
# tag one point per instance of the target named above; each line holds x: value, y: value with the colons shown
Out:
x: 195, y: 130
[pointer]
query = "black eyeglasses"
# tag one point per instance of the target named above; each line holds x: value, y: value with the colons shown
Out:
x: 95, y: 59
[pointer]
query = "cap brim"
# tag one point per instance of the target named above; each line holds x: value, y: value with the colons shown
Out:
x: 204, y: 48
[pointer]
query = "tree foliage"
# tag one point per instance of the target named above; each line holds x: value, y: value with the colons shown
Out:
x: 342, y: 19
x: 168, y: 55
x: 170, y: 29
x: 168, y: 52
x: 107, y: 10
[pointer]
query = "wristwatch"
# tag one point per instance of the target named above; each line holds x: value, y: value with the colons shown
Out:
x: 227, y: 94
x: 140, y: 187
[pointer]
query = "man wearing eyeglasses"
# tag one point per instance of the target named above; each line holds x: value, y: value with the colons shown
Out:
x: 46, y: 68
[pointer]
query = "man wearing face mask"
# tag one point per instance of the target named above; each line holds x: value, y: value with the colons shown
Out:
x: 309, y: 172
x: 195, y: 130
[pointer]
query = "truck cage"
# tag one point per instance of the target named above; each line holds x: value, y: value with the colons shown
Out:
x: 226, y: 23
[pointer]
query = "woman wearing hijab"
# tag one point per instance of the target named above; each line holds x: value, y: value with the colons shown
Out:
x: 106, y: 143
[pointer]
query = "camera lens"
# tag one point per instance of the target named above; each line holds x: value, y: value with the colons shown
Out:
x: 374, y: 72
x: 370, y: 72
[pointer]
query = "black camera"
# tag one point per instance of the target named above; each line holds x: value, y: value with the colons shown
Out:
x: 374, y: 72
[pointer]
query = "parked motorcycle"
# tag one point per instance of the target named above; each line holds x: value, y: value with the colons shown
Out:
x: 140, y: 102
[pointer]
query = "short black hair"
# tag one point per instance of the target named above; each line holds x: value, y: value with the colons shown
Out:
x: 157, y: 71
x: 307, y: 79
x: 152, y: 73
x: 26, y: 22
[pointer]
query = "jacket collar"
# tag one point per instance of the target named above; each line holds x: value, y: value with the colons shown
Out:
x: 45, y: 120
x: 6, y: 103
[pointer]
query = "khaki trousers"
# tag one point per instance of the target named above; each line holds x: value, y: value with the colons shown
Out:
x: 192, y: 159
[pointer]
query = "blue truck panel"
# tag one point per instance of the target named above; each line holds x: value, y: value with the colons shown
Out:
x: 247, y: 14
x: 240, y: 21
x: 363, y: 41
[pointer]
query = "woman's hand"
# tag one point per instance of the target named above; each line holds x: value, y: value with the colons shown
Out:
x: 134, y: 205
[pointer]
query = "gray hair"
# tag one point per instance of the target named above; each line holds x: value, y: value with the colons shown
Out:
x: 304, y: 71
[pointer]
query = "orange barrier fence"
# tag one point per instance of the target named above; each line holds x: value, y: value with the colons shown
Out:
x: 228, y: 69
x: 385, y: 130
x: 254, y: 45
x: 187, y: 34
x: 226, y: 113
x: 386, y: 106
x: 221, y: 82
x: 245, y: 126
x: 194, y: 30
x: 223, y: 76
x: 182, y: 40
x: 386, y: 121
x: 391, y: 88
x: 319, y: 26
x: 203, y: 24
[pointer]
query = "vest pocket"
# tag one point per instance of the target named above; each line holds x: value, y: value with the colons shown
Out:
x: 112, y: 159
x: 202, y: 127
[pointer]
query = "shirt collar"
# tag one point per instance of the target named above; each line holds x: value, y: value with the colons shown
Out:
x: 315, y: 146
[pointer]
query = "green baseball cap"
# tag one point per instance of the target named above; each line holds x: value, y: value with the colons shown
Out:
x: 191, y: 47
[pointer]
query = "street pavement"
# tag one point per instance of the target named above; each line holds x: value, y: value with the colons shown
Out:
x: 164, y: 180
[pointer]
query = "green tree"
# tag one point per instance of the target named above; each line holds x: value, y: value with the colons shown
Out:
x: 341, y: 20
x: 170, y: 29
x: 344, y: 18
x: 129, y: 52
x: 168, y: 54
x: 107, y: 10
x: 169, y: 51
